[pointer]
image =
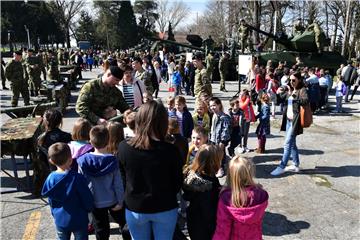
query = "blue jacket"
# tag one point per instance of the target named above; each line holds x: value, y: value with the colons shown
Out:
x: 222, y: 130
x: 176, y: 78
x: 187, y: 122
x: 70, y: 199
x: 103, y: 175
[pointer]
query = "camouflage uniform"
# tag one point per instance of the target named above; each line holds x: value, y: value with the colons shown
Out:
x: 146, y: 79
x: 95, y: 97
x: 208, y: 44
x: 202, y: 83
x: 318, y: 35
x: 209, y: 60
x: 53, y: 72
x: 223, y: 70
x: 16, y: 74
x: 33, y: 68
x: 243, y: 36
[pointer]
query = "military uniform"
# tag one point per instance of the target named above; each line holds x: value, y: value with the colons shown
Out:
x: 298, y: 29
x: 53, y: 72
x: 243, y: 36
x: 209, y: 60
x: 95, y: 97
x: 319, y: 35
x: 223, y: 70
x: 15, y: 73
x: 33, y: 68
x: 146, y: 78
x: 202, y: 83
x: 208, y: 44
x: 61, y: 58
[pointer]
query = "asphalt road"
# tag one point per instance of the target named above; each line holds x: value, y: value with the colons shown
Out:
x: 320, y: 202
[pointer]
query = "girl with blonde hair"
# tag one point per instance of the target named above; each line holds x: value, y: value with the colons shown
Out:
x: 242, y: 203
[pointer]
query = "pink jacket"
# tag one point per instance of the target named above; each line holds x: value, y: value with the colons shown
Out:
x: 234, y: 223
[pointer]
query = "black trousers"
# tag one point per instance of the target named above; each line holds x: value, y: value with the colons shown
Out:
x: 102, y: 223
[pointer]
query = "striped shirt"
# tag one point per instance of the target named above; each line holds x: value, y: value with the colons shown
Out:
x: 128, y: 92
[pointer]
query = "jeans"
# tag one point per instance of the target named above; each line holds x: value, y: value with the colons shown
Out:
x: 81, y: 234
x: 339, y: 103
x: 348, y: 88
x: 161, y: 224
x: 290, y: 147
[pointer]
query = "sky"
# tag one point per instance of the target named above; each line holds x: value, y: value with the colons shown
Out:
x: 196, y: 9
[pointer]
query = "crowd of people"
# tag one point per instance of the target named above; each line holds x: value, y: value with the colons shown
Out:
x: 163, y: 162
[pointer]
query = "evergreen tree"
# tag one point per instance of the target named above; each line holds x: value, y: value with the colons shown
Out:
x: 146, y: 11
x: 127, y: 26
x: 85, y: 29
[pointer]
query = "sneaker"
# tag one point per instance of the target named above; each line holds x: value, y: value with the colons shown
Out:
x: 246, y: 149
x: 220, y: 173
x: 292, y: 168
x: 277, y: 171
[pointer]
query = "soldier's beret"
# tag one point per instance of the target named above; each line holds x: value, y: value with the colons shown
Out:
x: 18, y: 52
x: 116, y: 72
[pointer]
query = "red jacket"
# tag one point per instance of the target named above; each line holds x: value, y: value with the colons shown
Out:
x: 246, y: 106
x: 234, y: 223
x: 260, y: 83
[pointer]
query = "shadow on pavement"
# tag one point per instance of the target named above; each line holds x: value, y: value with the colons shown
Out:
x: 301, y: 151
x: 342, y: 171
x: 275, y: 224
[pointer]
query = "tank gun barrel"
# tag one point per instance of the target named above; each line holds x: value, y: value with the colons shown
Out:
x: 14, y: 112
x: 176, y: 43
x: 284, y: 42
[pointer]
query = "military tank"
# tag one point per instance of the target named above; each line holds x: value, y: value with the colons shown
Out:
x: 303, y: 46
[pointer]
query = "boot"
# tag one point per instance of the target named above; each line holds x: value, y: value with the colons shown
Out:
x: 259, y: 148
x: 263, y: 141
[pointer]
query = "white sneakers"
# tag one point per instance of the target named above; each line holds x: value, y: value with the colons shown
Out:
x: 292, y: 168
x: 278, y: 171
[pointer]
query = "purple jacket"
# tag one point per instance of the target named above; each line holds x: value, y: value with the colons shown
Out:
x: 241, y: 223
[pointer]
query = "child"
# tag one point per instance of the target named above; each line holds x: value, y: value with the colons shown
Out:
x: 199, y: 137
x: 184, y: 117
x: 147, y: 97
x: 201, y: 188
x: 116, y: 135
x: 80, y: 144
x: 69, y: 197
x: 242, y: 204
x: 273, y: 86
x: 201, y: 117
x: 340, y: 91
x: 175, y: 138
x: 236, y: 115
x: 264, y: 126
x: 246, y: 105
x: 220, y: 129
x: 52, y: 120
x: 129, y: 120
x: 176, y: 81
x: 101, y: 169
x: 170, y: 102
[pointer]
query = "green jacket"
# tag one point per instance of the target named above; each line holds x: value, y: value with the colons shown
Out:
x: 95, y: 97
x: 15, y: 72
x: 202, y: 82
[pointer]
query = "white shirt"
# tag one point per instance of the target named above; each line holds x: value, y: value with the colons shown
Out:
x: 289, y: 112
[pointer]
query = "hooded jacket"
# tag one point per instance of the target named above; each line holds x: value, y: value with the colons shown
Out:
x: 103, y: 174
x: 70, y: 199
x: 241, y: 223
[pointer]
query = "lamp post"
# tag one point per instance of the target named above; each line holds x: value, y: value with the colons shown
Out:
x: 28, y: 35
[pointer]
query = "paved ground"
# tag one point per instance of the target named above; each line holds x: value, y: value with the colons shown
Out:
x: 320, y: 202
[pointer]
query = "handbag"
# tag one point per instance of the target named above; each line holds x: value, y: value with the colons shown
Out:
x: 306, y: 117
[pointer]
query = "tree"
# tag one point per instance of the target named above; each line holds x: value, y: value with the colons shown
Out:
x: 127, y: 26
x: 85, y: 29
x: 65, y: 11
x: 173, y: 13
x: 146, y: 11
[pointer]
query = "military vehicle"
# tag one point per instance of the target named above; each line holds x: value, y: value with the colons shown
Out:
x: 25, y: 111
x: 302, y: 46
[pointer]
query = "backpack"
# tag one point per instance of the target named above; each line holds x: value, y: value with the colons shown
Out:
x: 343, y: 89
x: 306, y: 117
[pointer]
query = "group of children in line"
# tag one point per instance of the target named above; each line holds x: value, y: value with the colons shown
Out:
x: 88, y: 177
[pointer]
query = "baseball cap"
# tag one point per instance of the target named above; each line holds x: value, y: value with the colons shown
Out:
x: 116, y: 72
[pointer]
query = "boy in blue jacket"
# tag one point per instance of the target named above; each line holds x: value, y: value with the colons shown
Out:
x: 69, y: 197
x: 101, y: 169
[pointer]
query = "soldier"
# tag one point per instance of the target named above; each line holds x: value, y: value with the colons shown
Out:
x: 298, y: 28
x: 98, y: 96
x: 243, y: 35
x: 53, y: 72
x: 318, y: 35
x: 33, y: 68
x: 224, y: 70
x: 60, y: 57
x: 210, y: 61
x: 202, y: 81
x: 208, y: 44
x: 15, y: 73
x: 3, y: 78
x: 142, y: 75
x: 43, y: 63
